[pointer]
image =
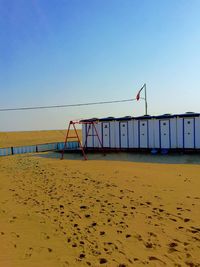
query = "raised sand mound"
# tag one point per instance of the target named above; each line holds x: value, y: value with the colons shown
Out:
x: 8, y: 139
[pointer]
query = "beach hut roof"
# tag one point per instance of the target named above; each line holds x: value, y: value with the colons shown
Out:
x: 90, y: 120
x: 188, y: 114
x: 165, y: 116
x: 126, y: 118
x: 144, y: 117
x: 108, y: 119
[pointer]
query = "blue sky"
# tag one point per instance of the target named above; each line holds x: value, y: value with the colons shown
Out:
x: 75, y: 51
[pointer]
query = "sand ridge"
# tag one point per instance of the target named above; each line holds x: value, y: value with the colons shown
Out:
x: 98, y: 213
x: 8, y: 139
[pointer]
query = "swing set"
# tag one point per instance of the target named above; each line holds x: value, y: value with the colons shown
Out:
x: 72, y: 126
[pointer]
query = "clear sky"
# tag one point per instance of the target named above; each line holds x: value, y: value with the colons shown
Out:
x: 73, y: 51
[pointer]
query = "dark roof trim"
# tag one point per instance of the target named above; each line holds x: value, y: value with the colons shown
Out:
x: 188, y: 115
x: 165, y: 116
x: 126, y: 118
x: 108, y: 119
x: 145, y: 117
x: 89, y: 120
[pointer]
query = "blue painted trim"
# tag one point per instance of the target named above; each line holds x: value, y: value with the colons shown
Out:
x: 194, y: 133
x: 109, y: 136
x: 102, y: 133
x: 120, y: 142
x: 147, y: 134
x: 159, y: 134
x: 85, y: 135
x: 183, y: 133
x: 119, y: 134
x: 37, y: 148
x: 127, y: 135
x: 170, y: 141
x: 93, y: 135
x: 138, y: 134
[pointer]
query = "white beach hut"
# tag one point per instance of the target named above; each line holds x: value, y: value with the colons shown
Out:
x: 122, y: 131
x: 89, y: 133
x: 188, y: 130
x: 108, y: 132
x: 145, y: 131
x: 165, y: 131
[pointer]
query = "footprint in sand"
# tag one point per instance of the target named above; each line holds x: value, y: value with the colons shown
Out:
x: 172, y: 247
x: 28, y: 253
x: 128, y: 235
x: 153, y: 258
x: 82, y: 255
x: 102, y: 233
x: 148, y: 245
x: 102, y: 261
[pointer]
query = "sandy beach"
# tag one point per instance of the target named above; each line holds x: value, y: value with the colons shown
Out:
x: 98, y: 213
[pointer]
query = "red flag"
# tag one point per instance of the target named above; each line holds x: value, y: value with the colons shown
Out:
x: 138, y: 94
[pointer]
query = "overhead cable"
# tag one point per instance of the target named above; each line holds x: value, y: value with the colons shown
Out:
x: 67, y: 105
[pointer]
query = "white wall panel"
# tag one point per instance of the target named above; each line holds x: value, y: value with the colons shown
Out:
x: 164, y: 133
x: 173, y: 133
x: 123, y: 134
x: 179, y: 132
x: 106, y: 134
x: 84, y: 134
x: 135, y: 134
x: 97, y: 135
x: 117, y: 137
x: 112, y: 134
x: 197, y: 132
x: 143, y: 134
x: 151, y: 133
x: 189, y: 138
x: 156, y: 134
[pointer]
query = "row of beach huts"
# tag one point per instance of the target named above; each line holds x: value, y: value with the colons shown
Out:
x: 178, y: 132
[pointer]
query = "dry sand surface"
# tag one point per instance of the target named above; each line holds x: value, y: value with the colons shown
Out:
x: 8, y: 139
x: 98, y: 213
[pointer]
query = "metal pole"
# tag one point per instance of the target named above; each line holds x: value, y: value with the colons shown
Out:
x: 145, y: 96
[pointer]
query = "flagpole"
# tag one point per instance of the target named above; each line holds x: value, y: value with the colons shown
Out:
x: 145, y: 96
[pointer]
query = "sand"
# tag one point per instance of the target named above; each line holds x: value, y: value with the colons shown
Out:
x: 8, y: 139
x: 98, y: 213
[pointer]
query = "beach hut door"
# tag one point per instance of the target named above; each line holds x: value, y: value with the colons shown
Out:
x: 124, y: 134
x: 90, y: 137
x: 143, y: 134
x: 164, y: 134
x: 189, y: 133
x: 106, y: 134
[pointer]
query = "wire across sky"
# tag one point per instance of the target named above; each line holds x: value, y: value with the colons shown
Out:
x: 67, y: 105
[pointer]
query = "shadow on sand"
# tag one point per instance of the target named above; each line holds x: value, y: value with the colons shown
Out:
x: 174, y: 158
